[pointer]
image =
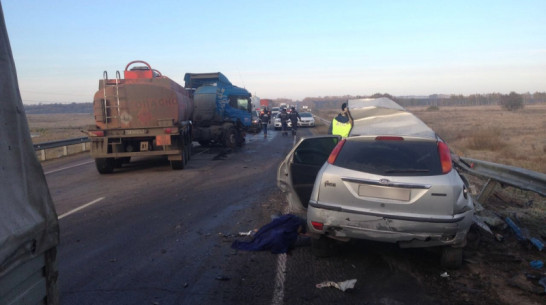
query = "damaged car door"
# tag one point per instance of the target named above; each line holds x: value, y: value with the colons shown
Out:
x: 297, y: 173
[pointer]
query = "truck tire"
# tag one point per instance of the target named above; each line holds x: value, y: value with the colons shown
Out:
x: 230, y: 138
x: 178, y: 164
x: 204, y: 143
x: 105, y: 165
x: 240, y: 138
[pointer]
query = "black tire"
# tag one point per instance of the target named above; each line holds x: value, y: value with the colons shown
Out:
x: 230, y: 138
x: 240, y: 139
x: 452, y: 258
x: 323, y: 247
x: 105, y: 165
x: 177, y: 164
x: 118, y: 162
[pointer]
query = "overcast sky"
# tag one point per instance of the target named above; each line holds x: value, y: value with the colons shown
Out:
x: 282, y: 49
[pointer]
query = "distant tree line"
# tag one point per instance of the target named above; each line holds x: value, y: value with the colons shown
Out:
x: 512, y: 101
x: 59, y: 108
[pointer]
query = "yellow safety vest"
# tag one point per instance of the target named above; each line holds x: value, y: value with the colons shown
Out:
x: 341, y: 129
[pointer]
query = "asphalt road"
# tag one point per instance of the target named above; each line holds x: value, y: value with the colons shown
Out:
x: 149, y: 235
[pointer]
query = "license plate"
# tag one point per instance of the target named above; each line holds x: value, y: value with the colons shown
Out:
x: 143, y: 146
x: 135, y: 131
x: 384, y: 192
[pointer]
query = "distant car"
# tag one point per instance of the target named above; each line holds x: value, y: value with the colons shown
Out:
x: 256, y: 124
x: 275, y: 111
x: 391, y: 180
x: 307, y: 120
x: 277, y: 124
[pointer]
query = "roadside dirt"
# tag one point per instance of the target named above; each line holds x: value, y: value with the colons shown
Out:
x: 497, y: 267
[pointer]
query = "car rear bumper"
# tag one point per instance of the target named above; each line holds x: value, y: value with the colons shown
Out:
x: 306, y: 124
x: 406, y: 230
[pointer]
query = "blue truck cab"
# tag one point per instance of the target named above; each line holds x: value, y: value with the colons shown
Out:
x: 222, y: 112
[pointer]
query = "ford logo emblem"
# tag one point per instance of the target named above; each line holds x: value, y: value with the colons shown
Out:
x: 384, y: 181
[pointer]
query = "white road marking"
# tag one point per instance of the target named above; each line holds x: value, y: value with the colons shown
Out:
x: 63, y: 168
x: 280, y: 278
x: 81, y: 208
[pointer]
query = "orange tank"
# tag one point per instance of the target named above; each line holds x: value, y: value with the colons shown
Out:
x: 143, y: 98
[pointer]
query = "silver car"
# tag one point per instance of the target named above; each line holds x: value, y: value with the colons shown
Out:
x: 307, y: 120
x: 391, y: 180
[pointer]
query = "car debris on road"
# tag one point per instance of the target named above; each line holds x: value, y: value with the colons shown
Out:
x: 348, y: 284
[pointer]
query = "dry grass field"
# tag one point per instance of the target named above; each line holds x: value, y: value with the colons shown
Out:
x: 490, y: 133
x: 53, y: 127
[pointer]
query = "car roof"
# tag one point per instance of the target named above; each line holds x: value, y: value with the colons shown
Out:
x: 383, y: 116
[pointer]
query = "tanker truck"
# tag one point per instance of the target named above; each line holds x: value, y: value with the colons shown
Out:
x: 222, y: 112
x: 142, y: 114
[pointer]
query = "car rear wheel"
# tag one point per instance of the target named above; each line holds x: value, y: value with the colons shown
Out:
x: 452, y: 258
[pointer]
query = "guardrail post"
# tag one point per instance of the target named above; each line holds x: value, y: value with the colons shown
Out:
x: 84, y: 146
x: 43, y: 155
x: 487, y: 190
x: 65, y: 150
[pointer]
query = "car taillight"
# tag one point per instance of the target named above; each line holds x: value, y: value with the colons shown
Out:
x: 168, y: 130
x: 333, y: 155
x: 95, y: 133
x: 445, y: 157
x: 317, y: 225
x: 389, y: 138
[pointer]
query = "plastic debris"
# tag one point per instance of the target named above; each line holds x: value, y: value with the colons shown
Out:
x: 349, y: 284
x: 515, y: 228
x: 245, y: 233
x: 444, y: 275
x: 537, y: 264
x: 479, y: 221
x: 542, y: 283
x: 523, y: 235
x: 222, y: 278
x: 537, y: 243
x: 499, y: 237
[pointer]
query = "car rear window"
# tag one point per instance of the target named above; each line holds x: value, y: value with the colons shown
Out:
x: 391, y: 158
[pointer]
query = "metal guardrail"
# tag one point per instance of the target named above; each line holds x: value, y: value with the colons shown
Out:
x: 42, y: 147
x: 60, y: 143
x: 500, y: 174
x: 495, y: 173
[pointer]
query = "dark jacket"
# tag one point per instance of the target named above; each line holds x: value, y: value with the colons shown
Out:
x: 284, y: 117
x: 265, y: 117
x: 294, y: 115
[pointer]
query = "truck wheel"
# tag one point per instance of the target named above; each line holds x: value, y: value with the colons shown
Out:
x: 118, y: 162
x: 187, y: 152
x: 204, y: 143
x: 178, y: 164
x: 452, y: 258
x: 105, y: 165
x: 230, y: 138
x: 240, y: 139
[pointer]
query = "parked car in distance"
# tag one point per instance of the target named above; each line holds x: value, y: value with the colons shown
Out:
x: 307, y: 120
x: 275, y: 111
x: 256, y: 124
x: 277, y: 123
x: 391, y: 180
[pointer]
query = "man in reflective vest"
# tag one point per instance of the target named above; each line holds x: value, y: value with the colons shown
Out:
x: 342, y: 123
